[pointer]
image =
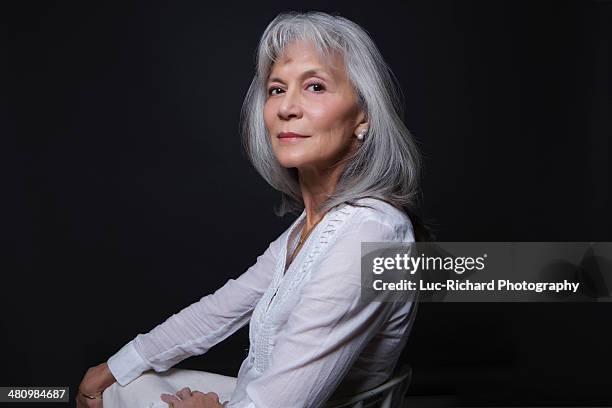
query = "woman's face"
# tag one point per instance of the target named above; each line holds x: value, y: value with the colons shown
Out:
x: 309, y: 97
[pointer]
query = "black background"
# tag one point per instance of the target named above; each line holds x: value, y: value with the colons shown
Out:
x: 127, y: 195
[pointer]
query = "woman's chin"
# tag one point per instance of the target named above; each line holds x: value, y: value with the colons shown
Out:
x: 289, y: 161
x: 290, y: 164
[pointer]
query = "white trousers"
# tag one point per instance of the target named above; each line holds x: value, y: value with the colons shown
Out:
x: 145, y: 391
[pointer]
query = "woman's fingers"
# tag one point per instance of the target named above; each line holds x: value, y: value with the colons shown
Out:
x: 213, y: 395
x: 186, y: 398
x: 82, y: 402
x: 209, y: 396
x: 171, y: 399
x: 184, y: 393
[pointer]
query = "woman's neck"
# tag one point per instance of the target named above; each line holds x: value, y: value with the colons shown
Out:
x: 317, y: 186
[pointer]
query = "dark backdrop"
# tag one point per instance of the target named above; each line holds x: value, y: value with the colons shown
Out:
x: 127, y: 196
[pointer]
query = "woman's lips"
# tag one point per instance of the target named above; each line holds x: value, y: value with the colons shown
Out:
x: 291, y: 136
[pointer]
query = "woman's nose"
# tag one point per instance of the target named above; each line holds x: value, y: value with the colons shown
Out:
x: 290, y: 105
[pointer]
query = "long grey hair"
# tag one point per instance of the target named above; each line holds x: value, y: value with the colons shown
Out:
x: 387, y: 164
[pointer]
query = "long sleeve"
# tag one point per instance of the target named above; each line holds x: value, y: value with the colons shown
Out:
x: 199, y: 326
x: 326, y: 331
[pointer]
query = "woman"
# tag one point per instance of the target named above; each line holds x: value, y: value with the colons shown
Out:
x: 322, y: 124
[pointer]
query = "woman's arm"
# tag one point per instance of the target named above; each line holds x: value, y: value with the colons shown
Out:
x: 198, y: 327
x: 327, y: 330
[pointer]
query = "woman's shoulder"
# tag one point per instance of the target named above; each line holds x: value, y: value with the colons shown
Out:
x: 373, y: 210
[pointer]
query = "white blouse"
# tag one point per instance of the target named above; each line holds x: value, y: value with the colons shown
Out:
x: 310, y: 336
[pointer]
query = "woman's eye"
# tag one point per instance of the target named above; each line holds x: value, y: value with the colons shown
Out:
x: 271, y: 90
x: 319, y: 86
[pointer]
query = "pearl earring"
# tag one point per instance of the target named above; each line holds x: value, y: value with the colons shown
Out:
x: 361, y: 134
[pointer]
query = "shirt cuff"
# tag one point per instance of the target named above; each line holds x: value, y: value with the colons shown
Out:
x: 127, y: 364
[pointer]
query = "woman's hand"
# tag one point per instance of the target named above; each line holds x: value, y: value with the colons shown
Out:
x: 95, y: 381
x: 196, y: 399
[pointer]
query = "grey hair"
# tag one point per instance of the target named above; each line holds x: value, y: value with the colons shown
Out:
x: 387, y: 164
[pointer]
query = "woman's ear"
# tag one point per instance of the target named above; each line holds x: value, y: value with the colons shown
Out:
x: 362, y: 117
x: 362, y: 125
